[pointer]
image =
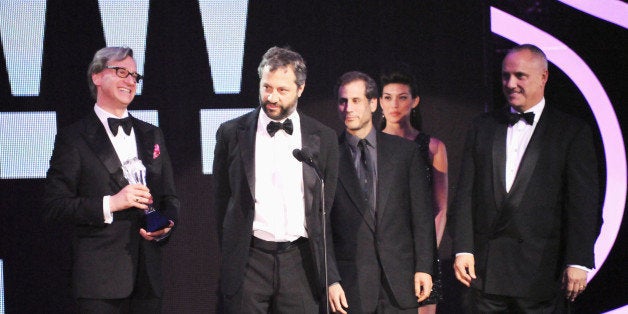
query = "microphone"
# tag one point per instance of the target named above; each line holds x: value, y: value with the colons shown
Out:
x: 305, y: 157
x: 302, y: 156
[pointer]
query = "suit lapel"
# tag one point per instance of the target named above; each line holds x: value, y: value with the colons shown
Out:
x: 348, y: 177
x: 311, y: 143
x: 246, y: 139
x: 499, y: 163
x: 529, y: 160
x: 526, y: 168
x: 97, y: 139
x: 385, y: 166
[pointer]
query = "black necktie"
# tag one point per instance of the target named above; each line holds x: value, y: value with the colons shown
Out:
x: 365, y: 174
x: 513, y: 118
x: 274, y: 126
x: 126, y: 124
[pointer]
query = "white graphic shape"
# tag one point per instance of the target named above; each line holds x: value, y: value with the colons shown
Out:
x: 210, y: 121
x: 224, y: 25
x: 22, y: 34
x: 125, y: 23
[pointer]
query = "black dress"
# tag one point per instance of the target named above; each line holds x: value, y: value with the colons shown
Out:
x: 437, y: 289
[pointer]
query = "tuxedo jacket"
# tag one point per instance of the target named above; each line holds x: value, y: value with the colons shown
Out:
x: 234, y: 188
x: 399, y: 240
x: 84, y: 167
x: 522, y: 240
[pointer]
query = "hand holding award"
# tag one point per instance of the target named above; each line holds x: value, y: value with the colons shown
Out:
x: 135, y: 172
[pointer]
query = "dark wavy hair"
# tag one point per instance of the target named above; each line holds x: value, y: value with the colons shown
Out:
x: 277, y: 57
x: 401, y: 73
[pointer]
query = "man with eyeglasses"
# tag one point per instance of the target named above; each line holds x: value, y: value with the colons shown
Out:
x: 116, y: 261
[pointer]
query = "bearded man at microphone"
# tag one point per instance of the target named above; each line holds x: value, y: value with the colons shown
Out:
x: 268, y: 203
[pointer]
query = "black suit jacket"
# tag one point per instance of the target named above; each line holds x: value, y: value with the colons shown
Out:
x: 234, y: 192
x: 84, y: 167
x: 401, y: 241
x: 522, y: 240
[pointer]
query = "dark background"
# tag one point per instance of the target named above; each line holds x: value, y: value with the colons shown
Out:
x: 449, y: 44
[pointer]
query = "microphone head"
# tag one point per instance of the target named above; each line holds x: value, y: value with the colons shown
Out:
x: 298, y: 154
x: 305, y: 157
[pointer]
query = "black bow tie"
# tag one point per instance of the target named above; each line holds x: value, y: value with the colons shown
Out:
x: 114, y: 123
x: 513, y: 118
x: 274, y: 126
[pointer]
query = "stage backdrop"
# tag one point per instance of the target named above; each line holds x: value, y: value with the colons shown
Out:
x: 200, y: 59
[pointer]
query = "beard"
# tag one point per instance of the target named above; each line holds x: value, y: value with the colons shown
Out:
x: 281, y: 112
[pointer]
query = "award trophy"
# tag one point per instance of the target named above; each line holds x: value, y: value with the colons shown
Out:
x: 135, y: 172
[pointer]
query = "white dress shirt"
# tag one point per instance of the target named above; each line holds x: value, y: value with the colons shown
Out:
x: 279, y: 198
x: 124, y: 145
x: 517, y: 140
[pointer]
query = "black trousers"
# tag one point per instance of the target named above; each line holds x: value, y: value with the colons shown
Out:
x: 123, y: 306
x: 480, y: 302
x: 142, y: 300
x: 279, y: 278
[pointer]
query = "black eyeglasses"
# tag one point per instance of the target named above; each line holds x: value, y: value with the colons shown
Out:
x: 124, y: 73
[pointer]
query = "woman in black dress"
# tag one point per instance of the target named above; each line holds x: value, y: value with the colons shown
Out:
x: 400, y: 101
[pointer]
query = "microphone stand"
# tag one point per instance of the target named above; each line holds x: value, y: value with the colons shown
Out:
x: 324, y: 222
x: 302, y: 156
x: 311, y: 163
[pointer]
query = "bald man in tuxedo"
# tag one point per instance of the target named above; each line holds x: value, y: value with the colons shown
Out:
x: 526, y: 214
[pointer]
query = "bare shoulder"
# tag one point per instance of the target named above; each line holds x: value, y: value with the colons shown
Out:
x: 437, y: 147
x: 438, y: 154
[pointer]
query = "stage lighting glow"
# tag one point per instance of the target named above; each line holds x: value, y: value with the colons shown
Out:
x: 613, y: 11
